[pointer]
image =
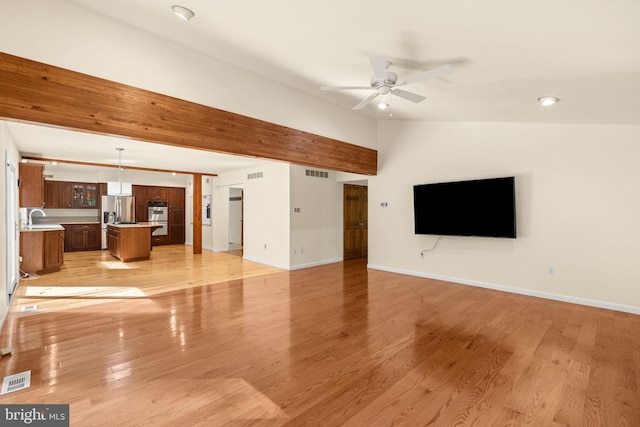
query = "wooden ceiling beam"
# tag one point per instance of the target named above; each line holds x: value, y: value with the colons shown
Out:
x: 39, y: 93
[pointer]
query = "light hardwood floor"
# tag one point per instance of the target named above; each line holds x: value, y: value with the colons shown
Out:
x: 211, y: 339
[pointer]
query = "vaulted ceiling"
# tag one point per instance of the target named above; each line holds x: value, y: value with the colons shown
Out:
x: 504, y: 54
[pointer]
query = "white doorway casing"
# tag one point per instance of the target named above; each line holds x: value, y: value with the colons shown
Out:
x: 11, y: 186
x: 235, y: 217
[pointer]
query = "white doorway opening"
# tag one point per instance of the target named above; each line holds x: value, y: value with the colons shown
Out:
x: 236, y: 221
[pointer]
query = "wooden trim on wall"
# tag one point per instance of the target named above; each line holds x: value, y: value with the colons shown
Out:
x: 39, y: 93
x: 108, y: 165
x: 197, y: 213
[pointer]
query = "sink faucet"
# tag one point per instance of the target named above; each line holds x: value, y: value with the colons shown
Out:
x: 31, y: 213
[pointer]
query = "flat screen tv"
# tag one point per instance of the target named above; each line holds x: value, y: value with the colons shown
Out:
x: 483, y: 207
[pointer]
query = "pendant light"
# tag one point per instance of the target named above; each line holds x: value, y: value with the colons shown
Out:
x: 119, y: 188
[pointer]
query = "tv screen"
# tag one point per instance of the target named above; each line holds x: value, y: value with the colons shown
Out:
x: 483, y: 207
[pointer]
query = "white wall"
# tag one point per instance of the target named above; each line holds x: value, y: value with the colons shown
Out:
x: 266, y: 216
x: 293, y: 240
x: 208, y: 184
x: 66, y: 35
x: 6, y: 145
x: 316, y: 231
x: 578, y: 207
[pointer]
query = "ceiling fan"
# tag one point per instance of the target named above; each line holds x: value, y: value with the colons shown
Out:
x: 384, y: 82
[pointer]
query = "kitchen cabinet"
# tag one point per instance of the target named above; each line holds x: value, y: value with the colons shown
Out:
x: 157, y: 193
x: 140, y: 193
x: 84, y: 195
x: 129, y: 242
x: 52, y: 196
x: 113, y: 241
x: 159, y: 240
x: 82, y: 237
x: 71, y: 195
x: 31, y: 179
x: 53, y: 250
x: 176, y: 215
x: 66, y: 194
x: 41, y: 251
x: 175, y: 197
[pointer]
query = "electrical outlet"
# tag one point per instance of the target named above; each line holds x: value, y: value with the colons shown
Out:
x: 301, y: 249
x: 551, y: 270
x: 295, y: 251
x: 265, y: 246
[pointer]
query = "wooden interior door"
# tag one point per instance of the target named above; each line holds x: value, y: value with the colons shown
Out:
x: 355, y: 221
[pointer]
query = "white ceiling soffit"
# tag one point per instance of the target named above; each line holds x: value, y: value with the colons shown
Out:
x: 54, y: 143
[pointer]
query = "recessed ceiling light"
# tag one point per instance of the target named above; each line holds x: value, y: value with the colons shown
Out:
x: 547, y: 100
x: 54, y: 163
x: 173, y: 173
x: 182, y: 12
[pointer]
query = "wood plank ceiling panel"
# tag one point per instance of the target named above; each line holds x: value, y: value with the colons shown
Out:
x: 39, y: 93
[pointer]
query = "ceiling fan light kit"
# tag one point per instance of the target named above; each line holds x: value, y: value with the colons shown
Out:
x: 385, y: 82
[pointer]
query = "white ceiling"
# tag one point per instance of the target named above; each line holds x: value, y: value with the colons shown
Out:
x: 60, y: 144
x: 505, y: 54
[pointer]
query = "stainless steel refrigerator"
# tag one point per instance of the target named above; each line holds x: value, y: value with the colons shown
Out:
x: 108, y: 216
x: 125, y: 210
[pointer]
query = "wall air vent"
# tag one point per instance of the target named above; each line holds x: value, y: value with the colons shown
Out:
x: 254, y: 175
x: 317, y: 174
x: 48, y: 176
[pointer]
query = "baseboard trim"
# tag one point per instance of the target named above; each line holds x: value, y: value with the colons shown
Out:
x: 528, y: 292
x: 4, y: 316
x: 206, y: 248
x: 315, y: 264
x: 293, y: 267
x: 262, y: 261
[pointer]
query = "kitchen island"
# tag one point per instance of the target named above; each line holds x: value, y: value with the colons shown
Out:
x: 41, y: 248
x: 130, y: 242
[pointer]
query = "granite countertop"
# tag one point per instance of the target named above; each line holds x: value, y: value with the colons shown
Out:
x: 42, y: 227
x: 138, y: 224
x: 57, y: 220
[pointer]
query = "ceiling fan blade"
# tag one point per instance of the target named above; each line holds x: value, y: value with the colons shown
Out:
x: 366, y: 101
x: 413, y: 97
x: 345, y: 87
x: 379, y: 65
x: 435, y: 72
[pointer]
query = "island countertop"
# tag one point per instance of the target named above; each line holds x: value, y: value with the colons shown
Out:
x: 42, y: 227
x: 138, y: 224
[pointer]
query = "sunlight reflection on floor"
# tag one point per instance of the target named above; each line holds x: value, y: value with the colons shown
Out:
x: 116, y: 265
x: 84, y: 291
